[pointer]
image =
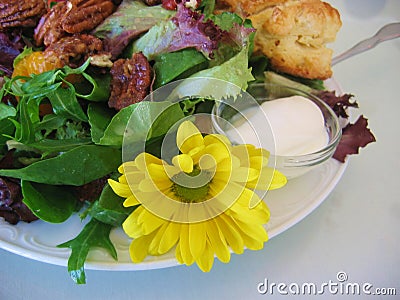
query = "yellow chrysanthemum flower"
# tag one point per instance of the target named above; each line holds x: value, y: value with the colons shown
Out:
x: 202, y: 203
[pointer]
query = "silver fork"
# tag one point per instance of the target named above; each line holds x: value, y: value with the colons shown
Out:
x: 387, y: 32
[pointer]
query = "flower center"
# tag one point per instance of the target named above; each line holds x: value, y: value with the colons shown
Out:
x: 192, y: 187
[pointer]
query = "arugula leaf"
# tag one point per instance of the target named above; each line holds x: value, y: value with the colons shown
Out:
x: 78, y: 166
x: 94, y: 234
x: 6, y: 111
x: 55, y: 146
x: 50, y: 203
x: 99, y: 118
x: 65, y: 103
x: 7, y: 129
x: 6, y: 126
x: 49, y: 123
x: 25, y: 131
x: 99, y: 90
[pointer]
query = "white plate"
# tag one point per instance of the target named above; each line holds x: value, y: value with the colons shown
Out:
x: 288, y: 206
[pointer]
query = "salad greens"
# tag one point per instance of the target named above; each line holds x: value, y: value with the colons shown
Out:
x: 79, y: 142
x: 46, y: 203
x: 95, y: 234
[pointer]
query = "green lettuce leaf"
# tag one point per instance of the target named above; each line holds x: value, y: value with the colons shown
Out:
x: 219, y: 82
x: 179, y: 64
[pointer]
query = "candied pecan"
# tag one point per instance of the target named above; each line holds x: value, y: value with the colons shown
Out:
x: 49, y: 29
x: 85, y: 15
x: 16, y: 13
x: 74, y: 50
x: 131, y: 79
x: 71, y: 17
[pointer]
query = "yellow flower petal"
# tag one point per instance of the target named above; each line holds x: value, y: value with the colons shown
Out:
x: 231, y: 233
x: 228, y: 164
x: 269, y: 179
x: 178, y: 254
x: 216, y: 138
x: 149, y: 222
x: 207, y: 162
x: 130, y: 225
x: 157, y: 172
x: 144, y: 159
x: 218, y: 151
x: 188, y: 137
x: 252, y: 244
x: 121, y: 189
x: 243, y: 174
x: 133, y: 177
x: 183, y: 162
x: 131, y: 201
x: 255, y: 232
x: 170, y: 237
x: 127, y: 166
x: 155, y: 242
x: 196, y: 153
x: 226, y: 193
x: 187, y: 257
x: 258, y: 162
x: 197, y: 239
x: 217, y: 242
x: 206, y: 260
x: 148, y: 185
x: 138, y: 248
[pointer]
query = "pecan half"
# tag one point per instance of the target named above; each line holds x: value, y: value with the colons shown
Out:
x: 49, y: 29
x: 71, y: 17
x: 131, y: 79
x: 74, y: 50
x: 85, y: 15
x: 16, y: 13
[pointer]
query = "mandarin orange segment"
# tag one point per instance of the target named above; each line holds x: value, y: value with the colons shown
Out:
x: 35, y: 63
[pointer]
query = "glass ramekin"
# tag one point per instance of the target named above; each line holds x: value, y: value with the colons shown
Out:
x: 291, y: 166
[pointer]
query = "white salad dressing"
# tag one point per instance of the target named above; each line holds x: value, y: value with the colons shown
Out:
x: 296, y: 122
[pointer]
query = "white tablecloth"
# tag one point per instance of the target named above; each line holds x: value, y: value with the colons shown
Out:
x: 355, y: 230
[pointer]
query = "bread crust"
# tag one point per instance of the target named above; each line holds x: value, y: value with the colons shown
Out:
x: 293, y: 34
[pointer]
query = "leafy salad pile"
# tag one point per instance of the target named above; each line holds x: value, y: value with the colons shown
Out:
x: 52, y: 160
